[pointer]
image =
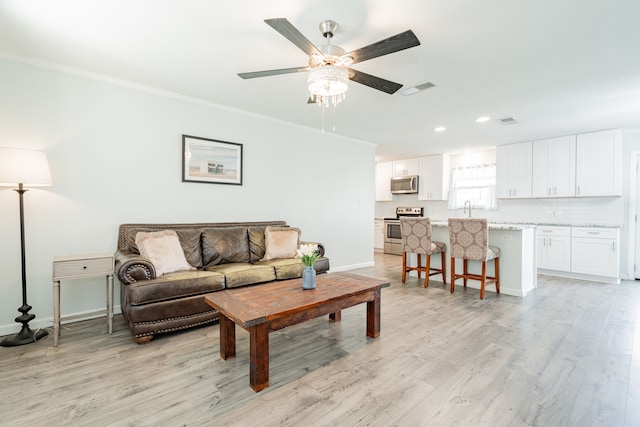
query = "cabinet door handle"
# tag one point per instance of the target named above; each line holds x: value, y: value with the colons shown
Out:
x: 578, y: 190
x: 514, y: 192
x: 555, y: 192
x: 613, y: 246
x: 593, y: 232
x: 549, y: 241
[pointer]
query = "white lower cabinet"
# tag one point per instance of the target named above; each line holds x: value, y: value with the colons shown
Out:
x: 589, y: 253
x: 595, y: 251
x: 554, y: 248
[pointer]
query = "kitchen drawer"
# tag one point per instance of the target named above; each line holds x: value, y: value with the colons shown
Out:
x: 595, y: 232
x: 63, y: 269
x: 554, y: 230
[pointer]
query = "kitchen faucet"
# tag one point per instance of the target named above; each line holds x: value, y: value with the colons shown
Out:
x: 467, y: 202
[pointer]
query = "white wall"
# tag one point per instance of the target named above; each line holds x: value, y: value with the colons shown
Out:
x: 115, y: 157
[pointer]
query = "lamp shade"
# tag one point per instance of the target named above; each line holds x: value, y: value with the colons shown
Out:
x: 27, y: 167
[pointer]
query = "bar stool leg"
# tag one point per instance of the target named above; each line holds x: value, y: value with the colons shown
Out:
x: 453, y: 274
x: 404, y: 266
x: 428, y: 271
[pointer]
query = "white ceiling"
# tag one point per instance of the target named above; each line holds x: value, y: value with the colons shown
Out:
x: 556, y: 66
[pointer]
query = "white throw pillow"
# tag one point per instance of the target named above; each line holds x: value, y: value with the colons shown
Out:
x: 281, y: 242
x: 163, y: 249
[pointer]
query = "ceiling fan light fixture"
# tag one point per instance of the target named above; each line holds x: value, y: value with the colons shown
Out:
x: 328, y: 84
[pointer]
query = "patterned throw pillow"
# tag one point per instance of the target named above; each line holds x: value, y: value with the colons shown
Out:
x: 163, y: 249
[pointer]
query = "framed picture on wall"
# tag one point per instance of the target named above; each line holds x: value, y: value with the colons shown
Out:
x: 211, y: 161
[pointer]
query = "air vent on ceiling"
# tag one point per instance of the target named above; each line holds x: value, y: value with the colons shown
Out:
x: 417, y: 88
x: 508, y: 121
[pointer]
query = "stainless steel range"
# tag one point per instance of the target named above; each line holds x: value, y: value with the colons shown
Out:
x: 392, y: 236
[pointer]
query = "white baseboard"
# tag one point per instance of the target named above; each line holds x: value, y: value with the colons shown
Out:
x: 352, y: 267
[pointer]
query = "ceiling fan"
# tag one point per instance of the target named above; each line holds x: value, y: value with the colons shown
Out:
x: 330, y: 65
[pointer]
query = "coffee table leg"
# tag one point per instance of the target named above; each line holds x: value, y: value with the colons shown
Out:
x: 335, y: 317
x: 227, y: 337
x: 373, y: 315
x: 259, y: 357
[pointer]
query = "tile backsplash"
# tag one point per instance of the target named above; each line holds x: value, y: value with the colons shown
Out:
x: 604, y: 211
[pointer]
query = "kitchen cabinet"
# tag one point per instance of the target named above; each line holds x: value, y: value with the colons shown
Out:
x: 384, y: 172
x: 513, y: 170
x: 554, y: 167
x: 595, y: 251
x: 554, y: 248
x: 598, y: 163
x: 433, y: 183
x: 406, y: 167
x: 378, y: 233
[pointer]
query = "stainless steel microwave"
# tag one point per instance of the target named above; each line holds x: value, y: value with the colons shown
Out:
x: 404, y: 184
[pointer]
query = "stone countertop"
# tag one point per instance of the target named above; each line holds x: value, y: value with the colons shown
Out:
x: 521, y: 225
x: 492, y: 225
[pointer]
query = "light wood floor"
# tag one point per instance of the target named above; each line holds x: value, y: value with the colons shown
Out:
x: 566, y: 355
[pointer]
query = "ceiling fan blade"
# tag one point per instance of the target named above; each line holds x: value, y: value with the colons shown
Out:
x: 374, y: 82
x: 384, y: 47
x: 291, y: 33
x: 266, y: 73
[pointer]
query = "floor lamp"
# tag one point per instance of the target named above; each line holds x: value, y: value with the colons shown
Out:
x: 23, y: 168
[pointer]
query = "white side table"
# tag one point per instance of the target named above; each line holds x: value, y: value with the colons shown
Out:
x: 81, y: 266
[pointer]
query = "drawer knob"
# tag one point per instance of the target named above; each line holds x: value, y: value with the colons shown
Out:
x: 84, y: 267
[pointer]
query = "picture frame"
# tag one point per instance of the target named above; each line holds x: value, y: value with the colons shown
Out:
x: 211, y: 161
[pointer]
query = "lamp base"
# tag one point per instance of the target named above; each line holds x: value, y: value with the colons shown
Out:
x: 26, y: 335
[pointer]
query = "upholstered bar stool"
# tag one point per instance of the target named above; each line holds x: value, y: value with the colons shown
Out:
x: 416, y: 239
x: 469, y: 240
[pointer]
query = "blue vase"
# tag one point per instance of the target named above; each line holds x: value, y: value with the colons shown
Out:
x: 308, y: 278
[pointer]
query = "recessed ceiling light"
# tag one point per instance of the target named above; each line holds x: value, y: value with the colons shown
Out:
x: 440, y: 129
x: 483, y: 119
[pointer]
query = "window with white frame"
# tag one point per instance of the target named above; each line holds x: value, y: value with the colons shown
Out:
x: 474, y: 184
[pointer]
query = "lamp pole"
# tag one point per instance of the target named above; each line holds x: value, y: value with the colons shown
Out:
x: 26, y: 335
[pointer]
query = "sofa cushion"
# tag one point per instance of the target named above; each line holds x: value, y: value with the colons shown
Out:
x: 164, y: 251
x: 256, y: 243
x: 281, y: 242
x: 225, y: 245
x: 190, y: 242
x: 288, y: 268
x: 173, y: 286
x: 241, y: 274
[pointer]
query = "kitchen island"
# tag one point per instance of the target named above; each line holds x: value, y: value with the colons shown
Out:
x: 517, y: 243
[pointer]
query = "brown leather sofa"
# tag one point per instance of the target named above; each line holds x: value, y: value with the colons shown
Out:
x: 225, y: 255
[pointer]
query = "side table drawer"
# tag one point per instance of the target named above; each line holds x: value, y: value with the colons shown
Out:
x: 86, y: 267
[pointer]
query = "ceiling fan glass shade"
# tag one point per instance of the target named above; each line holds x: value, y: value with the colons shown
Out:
x: 328, y: 84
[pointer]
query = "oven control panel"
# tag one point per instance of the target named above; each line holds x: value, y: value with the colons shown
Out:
x: 408, y: 211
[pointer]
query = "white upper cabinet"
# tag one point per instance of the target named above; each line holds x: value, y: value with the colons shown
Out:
x: 434, y: 177
x: 384, y: 172
x: 406, y: 167
x: 598, y: 163
x: 513, y: 170
x: 554, y: 167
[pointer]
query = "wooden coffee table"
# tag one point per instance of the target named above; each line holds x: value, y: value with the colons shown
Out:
x: 261, y: 309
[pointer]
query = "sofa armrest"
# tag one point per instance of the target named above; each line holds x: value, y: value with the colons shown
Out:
x: 320, y: 247
x: 131, y: 267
